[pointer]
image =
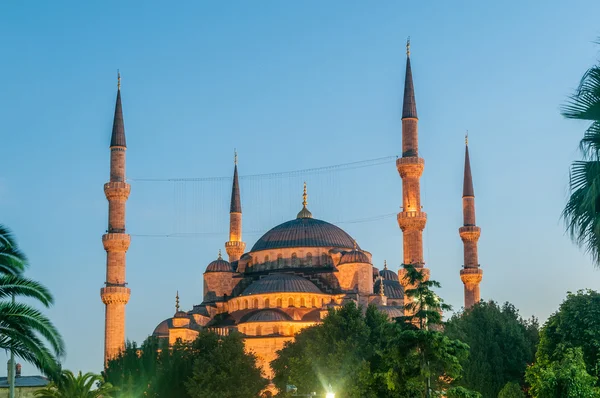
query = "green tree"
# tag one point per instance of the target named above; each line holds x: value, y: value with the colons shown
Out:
x: 582, y: 212
x: 564, y: 378
x: 575, y: 324
x: 366, y: 355
x: 501, y: 345
x: 24, y: 330
x: 68, y: 385
x: 440, y: 356
x: 511, y: 390
x: 461, y: 392
x: 222, y: 368
x: 210, y: 366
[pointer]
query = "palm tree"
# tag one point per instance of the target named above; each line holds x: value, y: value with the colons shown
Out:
x: 582, y: 212
x: 24, y: 330
x: 80, y: 386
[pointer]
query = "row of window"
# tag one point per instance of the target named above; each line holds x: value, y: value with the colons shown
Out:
x: 293, y: 261
x: 291, y: 302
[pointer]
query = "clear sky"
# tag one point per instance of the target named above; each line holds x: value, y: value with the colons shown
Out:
x: 291, y: 85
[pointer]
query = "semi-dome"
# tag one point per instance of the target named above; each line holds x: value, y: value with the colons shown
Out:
x: 354, y: 256
x: 219, y: 265
x: 162, y: 330
x: 391, y: 312
x: 281, y: 283
x: 304, y: 232
x: 268, y: 316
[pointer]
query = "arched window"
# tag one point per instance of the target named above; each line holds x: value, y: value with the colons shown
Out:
x: 291, y: 302
x: 314, y: 302
x: 309, y: 259
x: 255, y: 303
x: 259, y: 330
x: 267, y: 303
x: 279, y: 260
x: 302, y: 302
x: 279, y: 303
x: 294, y: 260
x: 267, y: 259
x: 245, y: 305
x: 324, y: 259
x: 244, y: 330
x: 275, y: 329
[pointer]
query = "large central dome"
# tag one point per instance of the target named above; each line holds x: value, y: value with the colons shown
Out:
x: 304, y: 232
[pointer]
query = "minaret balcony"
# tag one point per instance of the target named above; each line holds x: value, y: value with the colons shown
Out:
x: 412, y: 220
x: 117, y: 190
x: 115, y: 294
x: 469, y: 233
x: 116, y: 242
x: 235, y: 245
x: 410, y: 166
x: 471, y: 276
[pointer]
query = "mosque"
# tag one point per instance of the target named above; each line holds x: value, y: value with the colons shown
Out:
x: 296, y: 271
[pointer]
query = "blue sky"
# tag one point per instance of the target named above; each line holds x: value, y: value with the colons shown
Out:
x: 291, y: 85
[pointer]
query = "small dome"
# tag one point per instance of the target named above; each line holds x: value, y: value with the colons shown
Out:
x: 219, y: 265
x: 392, y: 289
x: 388, y: 275
x: 391, y: 312
x: 180, y: 314
x: 162, y: 330
x: 281, y: 283
x: 354, y: 256
x: 268, y: 316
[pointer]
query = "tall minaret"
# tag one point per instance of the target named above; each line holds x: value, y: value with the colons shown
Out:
x: 115, y: 294
x: 410, y: 166
x: 235, y: 247
x: 471, y: 274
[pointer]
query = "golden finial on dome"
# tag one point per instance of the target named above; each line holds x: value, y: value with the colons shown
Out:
x: 384, y: 264
x: 235, y: 156
x: 355, y: 245
x: 408, y: 47
x: 177, y: 302
x: 304, y: 213
x: 118, y: 80
x: 467, y: 138
x: 220, y: 258
x: 304, y: 196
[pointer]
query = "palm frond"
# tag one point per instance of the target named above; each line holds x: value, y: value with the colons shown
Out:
x: 15, y: 285
x: 585, y: 103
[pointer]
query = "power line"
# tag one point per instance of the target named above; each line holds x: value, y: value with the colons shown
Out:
x: 295, y: 173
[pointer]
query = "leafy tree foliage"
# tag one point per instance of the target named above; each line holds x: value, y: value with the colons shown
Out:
x: 564, y: 378
x: 582, y: 212
x: 366, y: 355
x: 210, y: 366
x: 68, y: 385
x: 511, y: 390
x: 575, y: 324
x: 501, y: 345
x: 461, y: 392
x: 24, y: 330
x: 222, y: 369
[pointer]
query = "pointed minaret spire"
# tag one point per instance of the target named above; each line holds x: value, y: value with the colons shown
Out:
x: 177, y: 302
x: 118, y: 131
x: 235, y: 247
x: 409, y: 106
x: 471, y: 274
x: 412, y: 218
x: 468, y: 179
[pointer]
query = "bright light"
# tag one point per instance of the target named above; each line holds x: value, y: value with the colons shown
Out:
x: 330, y: 395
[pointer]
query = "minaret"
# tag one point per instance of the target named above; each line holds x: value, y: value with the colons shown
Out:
x: 235, y: 247
x: 115, y: 294
x: 410, y: 166
x: 471, y: 274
